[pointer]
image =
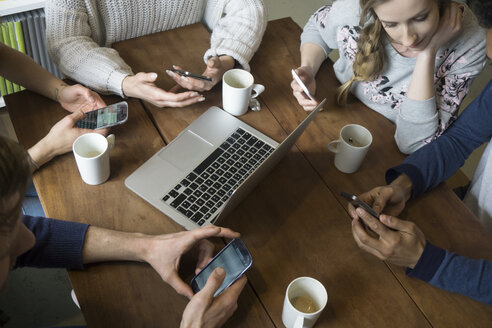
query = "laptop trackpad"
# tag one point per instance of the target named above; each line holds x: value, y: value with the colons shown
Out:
x: 186, y: 152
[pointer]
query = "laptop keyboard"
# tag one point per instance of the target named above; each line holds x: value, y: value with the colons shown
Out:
x: 212, y: 182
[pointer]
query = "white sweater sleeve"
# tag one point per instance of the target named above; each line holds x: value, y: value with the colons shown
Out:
x: 237, y: 28
x: 72, y: 47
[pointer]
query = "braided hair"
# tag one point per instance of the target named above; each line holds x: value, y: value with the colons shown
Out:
x: 370, y: 57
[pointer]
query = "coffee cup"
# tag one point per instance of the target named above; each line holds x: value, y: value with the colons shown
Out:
x: 304, y: 301
x: 351, y: 147
x: 238, y: 88
x: 91, y: 153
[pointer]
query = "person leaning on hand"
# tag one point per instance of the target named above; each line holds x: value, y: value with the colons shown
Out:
x: 43, y: 242
x: 21, y: 69
x: 423, y: 170
x: 79, y: 35
x: 412, y: 61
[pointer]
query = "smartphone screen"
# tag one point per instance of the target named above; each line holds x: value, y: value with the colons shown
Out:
x: 105, y: 117
x: 234, y: 258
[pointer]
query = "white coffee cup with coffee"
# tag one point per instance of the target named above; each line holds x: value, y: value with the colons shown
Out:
x: 91, y: 153
x: 304, y: 301
x: 351, y: 147
x: 238, y: 88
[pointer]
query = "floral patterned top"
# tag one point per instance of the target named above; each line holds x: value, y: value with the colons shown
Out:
x: 417, y: 122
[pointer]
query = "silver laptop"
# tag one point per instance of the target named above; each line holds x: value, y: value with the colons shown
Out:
x: 209, y: 168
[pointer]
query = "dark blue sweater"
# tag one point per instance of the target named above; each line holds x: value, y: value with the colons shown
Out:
x: 58, y: 244
x: 431, y: 165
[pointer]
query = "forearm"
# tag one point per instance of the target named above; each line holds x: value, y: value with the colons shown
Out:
x: 102, y: 245
x: 312, y: 56
x: 422, y: 83
x: 41, y: 153
x: 21, y: 69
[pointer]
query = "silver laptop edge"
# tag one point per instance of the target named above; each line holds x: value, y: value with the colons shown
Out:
x: 148, y: 182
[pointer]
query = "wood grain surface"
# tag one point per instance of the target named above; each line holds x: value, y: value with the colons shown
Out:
x: 294, y: 223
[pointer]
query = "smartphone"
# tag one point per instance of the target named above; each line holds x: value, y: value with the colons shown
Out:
x: 235, y: 258
x: 105, y: 117
x: 357, y: 202
x: 189, y: 74
x: 303, y: 86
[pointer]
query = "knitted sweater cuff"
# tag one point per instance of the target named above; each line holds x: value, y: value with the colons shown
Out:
x: 114, y: 84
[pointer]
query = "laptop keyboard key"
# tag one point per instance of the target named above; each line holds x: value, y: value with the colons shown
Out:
x: 178, y: 201
x: 196, y: 217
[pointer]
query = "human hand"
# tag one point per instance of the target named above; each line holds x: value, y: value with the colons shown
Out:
x: 450, y: 25
x: 60, y: 138
x: 390, y: 199
x: 307, y: 76
x: 165, y: 251
x: 206, y: 311
x: 142, y: 86
x: 76, y: 97
x: 216, y: 67
x: 401, y: 247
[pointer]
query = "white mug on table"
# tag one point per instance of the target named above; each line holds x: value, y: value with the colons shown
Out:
x: 237, y: 90
x: 351, y: 147
x: 91, y: 153
x: 304, y: 301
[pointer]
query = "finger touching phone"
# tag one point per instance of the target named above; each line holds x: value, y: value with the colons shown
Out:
x: 303, y: 86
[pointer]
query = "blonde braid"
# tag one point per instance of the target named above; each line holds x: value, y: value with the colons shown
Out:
x: 369, y: 59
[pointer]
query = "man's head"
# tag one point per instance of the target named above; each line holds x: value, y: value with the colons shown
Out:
x: 483, y: 10
x: 15, y: 173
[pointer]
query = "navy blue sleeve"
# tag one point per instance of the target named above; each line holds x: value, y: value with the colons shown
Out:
x: 58, y: 244
x: 439, y: 160
x: 455, y: 273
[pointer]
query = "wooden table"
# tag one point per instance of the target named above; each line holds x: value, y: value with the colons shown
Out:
x: 294, y: 223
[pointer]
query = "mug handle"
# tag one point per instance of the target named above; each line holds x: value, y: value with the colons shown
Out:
x: 299, y: 322
x: 257, y: 90
x: 110, y: 139
x: 331, y: 146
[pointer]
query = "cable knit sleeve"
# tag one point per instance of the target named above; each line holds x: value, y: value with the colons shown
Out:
x: 237, y: 28
x: 72, y: 28
x: 457, y: 64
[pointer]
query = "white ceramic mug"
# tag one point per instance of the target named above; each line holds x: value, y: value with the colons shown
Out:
x: 237, y: 89
x: 351, y: 148
x: 91, y: 153
x: 304, y: 301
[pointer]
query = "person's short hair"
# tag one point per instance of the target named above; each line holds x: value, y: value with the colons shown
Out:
x: 15, y: 173
x: 483, y: 10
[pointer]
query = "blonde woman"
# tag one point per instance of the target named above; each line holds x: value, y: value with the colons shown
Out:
x: 410, y: 60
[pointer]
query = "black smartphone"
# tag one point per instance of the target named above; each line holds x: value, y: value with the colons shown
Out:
x: 105, y: 117
x: 357, y: 202
x: 189, y: 74
x: 235, y: 258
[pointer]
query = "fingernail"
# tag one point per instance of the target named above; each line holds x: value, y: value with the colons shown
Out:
x: 201, y: 99
x: 194, y: 94
x: 169, y: 72
x: 359, y: 211
x: 220, y: 271
x: 184, y: 78
x: 154, y: 75
x: 174, y: 66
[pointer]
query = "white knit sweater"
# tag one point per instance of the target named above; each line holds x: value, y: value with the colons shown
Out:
x: 79, y: 33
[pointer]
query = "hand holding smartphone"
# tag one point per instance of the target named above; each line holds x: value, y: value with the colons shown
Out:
x: 189, y: 74
x: 357, y: 202
x: 303, y: 86
x: 105, y: 117
x: 235, y: 258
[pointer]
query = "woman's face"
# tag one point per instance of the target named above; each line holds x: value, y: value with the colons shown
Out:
x: 14, y: 242
x: 409, y: 24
